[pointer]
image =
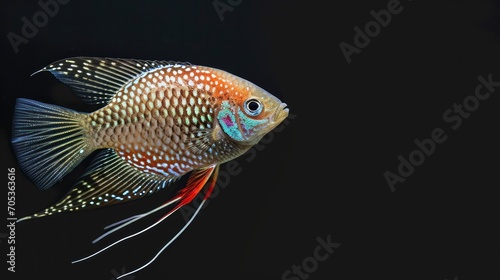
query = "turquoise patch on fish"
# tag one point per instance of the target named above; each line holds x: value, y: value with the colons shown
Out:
x: 227, y: 121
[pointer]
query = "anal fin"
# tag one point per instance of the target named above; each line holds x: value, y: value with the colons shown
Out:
x: 108, y: 180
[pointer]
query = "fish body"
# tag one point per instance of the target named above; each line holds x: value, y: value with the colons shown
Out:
x: 159, y: 121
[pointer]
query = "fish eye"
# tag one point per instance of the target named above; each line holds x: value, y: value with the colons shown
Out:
x: 253, y: 107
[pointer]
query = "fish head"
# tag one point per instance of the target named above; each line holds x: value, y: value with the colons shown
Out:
x: 248, y: 112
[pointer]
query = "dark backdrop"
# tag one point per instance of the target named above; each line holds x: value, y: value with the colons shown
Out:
x: 320, y: 178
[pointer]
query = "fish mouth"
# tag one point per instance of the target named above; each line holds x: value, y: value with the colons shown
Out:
x: 281, y: 113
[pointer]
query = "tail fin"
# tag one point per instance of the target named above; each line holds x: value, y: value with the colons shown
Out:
x: 48, y: 140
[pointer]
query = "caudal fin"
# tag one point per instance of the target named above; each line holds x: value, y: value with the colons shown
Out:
x: 48, y: 140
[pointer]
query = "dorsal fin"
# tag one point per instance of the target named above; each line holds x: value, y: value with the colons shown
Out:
x: 97, y: 79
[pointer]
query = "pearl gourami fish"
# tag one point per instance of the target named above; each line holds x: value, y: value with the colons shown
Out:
x: 159, y: 121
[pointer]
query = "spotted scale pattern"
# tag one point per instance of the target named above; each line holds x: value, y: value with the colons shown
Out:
x: 154, y: 121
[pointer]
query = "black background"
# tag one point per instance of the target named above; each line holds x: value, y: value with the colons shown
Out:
x: 321, y: 175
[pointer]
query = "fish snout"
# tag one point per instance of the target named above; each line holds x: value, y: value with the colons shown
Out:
x: 281, y: 113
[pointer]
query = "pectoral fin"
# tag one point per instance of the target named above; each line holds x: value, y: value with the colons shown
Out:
x: 196, y: 182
